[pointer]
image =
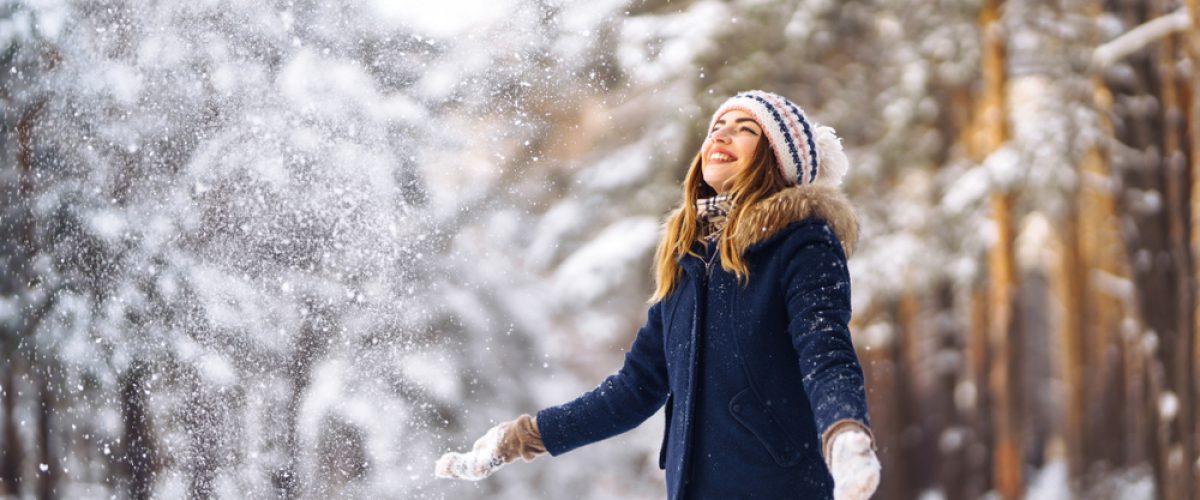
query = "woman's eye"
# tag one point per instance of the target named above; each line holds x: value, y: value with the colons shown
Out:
x: 748, y: 129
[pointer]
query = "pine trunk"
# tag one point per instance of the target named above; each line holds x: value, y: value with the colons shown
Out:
x: 10, y: 470
x: 1192, y: 105
x: 48, y: 478
x: 1182, y: 453
x: 1007, y: 447
x: 1070, y: 287
x: 977, y: 400
x: 141, y: 452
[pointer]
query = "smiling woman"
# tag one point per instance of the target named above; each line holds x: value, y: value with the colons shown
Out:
x: 729, y: 148
x: 764, y: 393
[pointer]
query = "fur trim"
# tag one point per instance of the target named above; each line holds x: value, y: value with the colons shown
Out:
x: 795, y: 204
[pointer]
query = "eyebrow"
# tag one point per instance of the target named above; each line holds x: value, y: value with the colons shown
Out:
x: 738, y: 120
x: 741, y: 120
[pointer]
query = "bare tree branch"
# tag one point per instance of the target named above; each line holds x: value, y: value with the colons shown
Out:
x: 1139, y: 37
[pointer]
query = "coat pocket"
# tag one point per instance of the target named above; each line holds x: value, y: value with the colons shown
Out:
x: 754, y: 416
x: 662, y: 451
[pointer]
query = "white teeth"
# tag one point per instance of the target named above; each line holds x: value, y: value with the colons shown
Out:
x: 719, y: 157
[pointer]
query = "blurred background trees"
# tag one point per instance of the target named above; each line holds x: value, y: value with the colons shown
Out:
x: 299, y: 249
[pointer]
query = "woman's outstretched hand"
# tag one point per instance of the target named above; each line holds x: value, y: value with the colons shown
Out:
x: 854, y: 466
x: 500, y: 445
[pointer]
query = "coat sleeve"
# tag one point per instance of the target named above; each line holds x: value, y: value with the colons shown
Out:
x: 621, y: 402
x: 817, y: 291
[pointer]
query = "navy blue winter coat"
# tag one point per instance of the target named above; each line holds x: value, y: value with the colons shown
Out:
x: 752, y: 375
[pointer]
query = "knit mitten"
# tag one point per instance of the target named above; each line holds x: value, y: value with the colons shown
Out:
x: 501, y: 445
x: 853, y: 464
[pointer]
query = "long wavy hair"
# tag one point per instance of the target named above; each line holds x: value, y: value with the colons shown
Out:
x: 756, y: 182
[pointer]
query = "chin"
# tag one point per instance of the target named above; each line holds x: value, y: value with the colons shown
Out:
x: 714, y: 180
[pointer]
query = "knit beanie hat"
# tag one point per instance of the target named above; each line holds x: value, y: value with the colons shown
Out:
x: 808, y: 153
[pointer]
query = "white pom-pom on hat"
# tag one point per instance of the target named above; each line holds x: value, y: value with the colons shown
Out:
x: 833, y: 161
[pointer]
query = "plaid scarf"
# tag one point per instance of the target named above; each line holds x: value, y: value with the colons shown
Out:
x: 712, y: 212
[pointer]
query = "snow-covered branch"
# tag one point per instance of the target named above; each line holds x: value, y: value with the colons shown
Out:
x: 1139, y: 37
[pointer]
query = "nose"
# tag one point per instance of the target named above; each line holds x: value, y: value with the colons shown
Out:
x: 721, y: 135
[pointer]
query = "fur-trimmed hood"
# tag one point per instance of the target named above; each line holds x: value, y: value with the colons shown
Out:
x: 794, y: 204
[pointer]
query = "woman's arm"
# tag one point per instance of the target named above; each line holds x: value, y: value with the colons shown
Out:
x: 816, y: 287
x: 621, y: 402
x: 817, y: 291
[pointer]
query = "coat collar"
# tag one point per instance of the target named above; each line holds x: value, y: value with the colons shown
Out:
x: 767, y: 218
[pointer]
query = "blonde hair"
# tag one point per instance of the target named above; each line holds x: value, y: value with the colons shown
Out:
x: 756, y: 182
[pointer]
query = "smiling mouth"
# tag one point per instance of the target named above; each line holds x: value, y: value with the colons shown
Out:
x: 720, y: 157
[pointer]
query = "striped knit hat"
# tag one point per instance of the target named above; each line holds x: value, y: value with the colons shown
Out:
x: 808, y: 153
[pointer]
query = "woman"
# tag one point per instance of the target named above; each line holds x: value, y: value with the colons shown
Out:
x: 746, y: 340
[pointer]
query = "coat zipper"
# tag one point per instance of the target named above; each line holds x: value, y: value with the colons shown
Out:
x: 708, y: 264
x: 687, y: 465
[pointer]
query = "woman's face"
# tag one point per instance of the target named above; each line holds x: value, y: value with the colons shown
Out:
x: 729, y: 148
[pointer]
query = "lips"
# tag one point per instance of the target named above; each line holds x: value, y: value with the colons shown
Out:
x: 719, y: 155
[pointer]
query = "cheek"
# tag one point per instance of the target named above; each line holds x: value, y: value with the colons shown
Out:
x: 746, y: 146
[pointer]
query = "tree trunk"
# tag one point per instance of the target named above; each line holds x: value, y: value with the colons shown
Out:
x: 1147, y: 165
x: 19, y: 274
x: 1182, y: 452
x: 140, y: 452
x: 202, y: 420
x: 310, y: 346
x: 1072, y: 291
x: 951, y: 433
x: 1003, y: 373
x: 907, y: 478
x: 974, y: 395
x: 10, y: 471
x: 884, y: 421
x: 1002, y: 386
x: 49, y: 476
x: 1192, y: 105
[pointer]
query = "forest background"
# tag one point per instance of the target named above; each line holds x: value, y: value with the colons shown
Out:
x: 300, y: 248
